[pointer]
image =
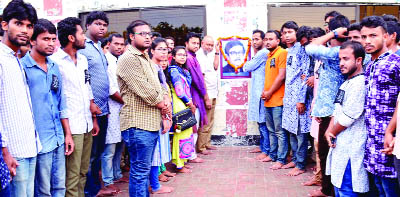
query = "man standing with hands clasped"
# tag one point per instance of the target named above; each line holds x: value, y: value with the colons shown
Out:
x: 144, y: 105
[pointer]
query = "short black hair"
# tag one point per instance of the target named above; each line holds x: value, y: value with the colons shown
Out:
x: 290, y: 25
x: 155, y: 34
x: 130, y: 29
x: 117, y: 35
x: 176, y: 49
x: 358, y: 49
x: 354, y: 27
x: 393, y: 27
x: 389, y: 17
x: 170, y: 38
x: 157, y: 41
x: 192, y: 35
x: 339, y: 21
x: 317, y: 32
x: 262, y: 34
x: 20, y: 10
x: 303, y: 31
x: 374, y: 22
x: 231, y: 44
x: 277, y: 34
x: 104, y: 42
x: 67, y: 27
x: 42, y: 26
x: 95, y: 15
x: 332, y: 14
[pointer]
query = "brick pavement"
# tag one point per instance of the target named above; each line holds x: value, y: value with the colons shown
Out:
x: 232, y: 171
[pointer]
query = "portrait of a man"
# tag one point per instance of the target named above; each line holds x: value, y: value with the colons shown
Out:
x: 235, y: 53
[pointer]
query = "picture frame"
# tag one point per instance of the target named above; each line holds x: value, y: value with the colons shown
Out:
x: 235, y: 51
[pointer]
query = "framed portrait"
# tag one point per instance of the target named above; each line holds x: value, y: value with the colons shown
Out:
x: 234, y: 53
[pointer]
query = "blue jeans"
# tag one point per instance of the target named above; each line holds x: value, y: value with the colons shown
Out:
x: 299, y: 145
x: 154, y: 182
x: 107, y: 171
x: 346, y: 189
x: 141, y: 149
x: 277, y: 136
x: 264, y: 140
x: 50, y: 173
x: 99, y: 141
x: 6, y: 192
x: 383, y: 186
x: 119, y: 147
x: 23, y: 183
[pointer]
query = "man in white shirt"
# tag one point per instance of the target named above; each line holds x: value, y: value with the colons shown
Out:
x: 20, y: 142
x: 76, y: 83
x: 208, y: 59
x: 111, y: 157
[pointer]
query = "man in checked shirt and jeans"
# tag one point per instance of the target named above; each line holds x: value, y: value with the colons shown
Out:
x: 144, y: 105
x: 20, y: 144
x: 382, y: 76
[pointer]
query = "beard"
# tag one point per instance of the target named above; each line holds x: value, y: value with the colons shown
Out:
x: 16, y: 42
x: 78, y: 46
x: 43, y: 53
x: 351, y: 71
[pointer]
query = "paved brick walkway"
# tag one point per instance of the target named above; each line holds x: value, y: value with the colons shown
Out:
x: 232, y: 171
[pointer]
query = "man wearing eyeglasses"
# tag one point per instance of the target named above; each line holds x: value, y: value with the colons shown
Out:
x: 235, y: 53
x: 144, y: 107
x: 96, y: 25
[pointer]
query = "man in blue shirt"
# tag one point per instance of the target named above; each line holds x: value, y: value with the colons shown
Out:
x: 256, y: 110
x: 48, y: 104
x: 330, y: 79
x: 96, y: 25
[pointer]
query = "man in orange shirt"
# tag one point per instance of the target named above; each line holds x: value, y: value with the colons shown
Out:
x: 274, y: 89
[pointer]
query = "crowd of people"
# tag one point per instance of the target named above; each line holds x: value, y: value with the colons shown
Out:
x: 335, y: 89
x: 69, y: 116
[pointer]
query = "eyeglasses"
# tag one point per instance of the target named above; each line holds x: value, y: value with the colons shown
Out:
x: 144, y: 34
x: 162, y: 49
x: 234, y: 53
x: 181, y: 55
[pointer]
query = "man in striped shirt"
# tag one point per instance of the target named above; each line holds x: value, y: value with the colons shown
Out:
x: 20, y: 143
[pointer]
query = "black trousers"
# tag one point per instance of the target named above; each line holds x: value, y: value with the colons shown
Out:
x: 323, y: 150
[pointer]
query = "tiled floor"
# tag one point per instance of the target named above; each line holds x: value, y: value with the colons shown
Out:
x: 233, y: 171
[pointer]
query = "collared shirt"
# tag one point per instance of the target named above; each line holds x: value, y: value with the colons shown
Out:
x: 113, y: 127
x: 256, y: 66
x: 276, y: 60
x: 330, y: 78
x: 5, y: 177
x: 97, y: 64
x: 206, y: 61
x: 77, y: 89
x: 141, y: 91
x: 297, y: 64
x: 48, y: 101
x: 383, y: 86
x: 350, y: 143
x: 197, y: 88
x: 18, y: 128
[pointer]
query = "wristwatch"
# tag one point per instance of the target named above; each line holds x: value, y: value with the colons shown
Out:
x: 335, y: 34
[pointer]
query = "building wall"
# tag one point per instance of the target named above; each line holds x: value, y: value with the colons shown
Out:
x: 222, y: 18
